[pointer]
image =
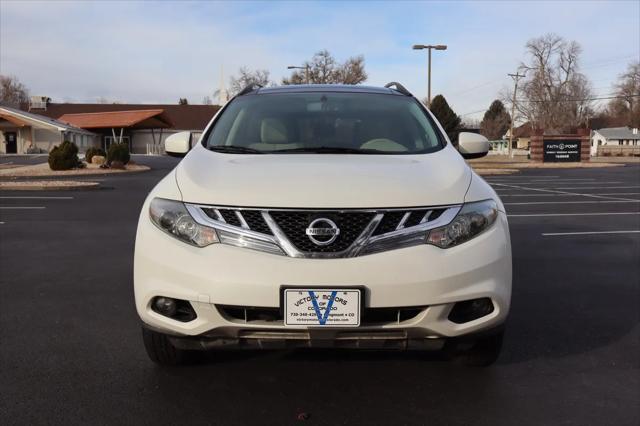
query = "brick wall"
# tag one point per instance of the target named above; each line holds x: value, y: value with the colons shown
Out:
x: 537, y: 149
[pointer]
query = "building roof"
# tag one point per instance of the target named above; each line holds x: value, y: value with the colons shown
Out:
x: 182, y: 117
x: 24, y: 118
x: 523, y: 131
x: 619, y: 133
x: 144, y: 118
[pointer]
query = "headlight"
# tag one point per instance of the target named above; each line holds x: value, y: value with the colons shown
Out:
x: 472, y: 220
x: 173, y: 218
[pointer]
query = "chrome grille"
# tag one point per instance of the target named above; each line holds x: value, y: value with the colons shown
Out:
x: 294, y: 224
x: 284, y: 231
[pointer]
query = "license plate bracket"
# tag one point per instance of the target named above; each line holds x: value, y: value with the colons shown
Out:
x: 311, y: 306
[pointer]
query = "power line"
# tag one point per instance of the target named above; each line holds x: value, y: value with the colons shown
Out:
x: 578, y: 100
x: 474, y: 112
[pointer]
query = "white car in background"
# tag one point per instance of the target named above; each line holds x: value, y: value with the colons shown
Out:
x: 323, y: 216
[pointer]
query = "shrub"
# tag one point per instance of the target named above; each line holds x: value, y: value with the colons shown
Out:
x: 93, y: 151
x: 64, y: 156
x: 118, y: 152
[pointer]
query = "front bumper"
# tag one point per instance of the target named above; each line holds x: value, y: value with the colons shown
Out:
x: 422, y: 276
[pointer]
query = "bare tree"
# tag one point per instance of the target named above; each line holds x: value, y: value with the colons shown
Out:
x: 247, y: 77
x: 626, y: 107
x: 554, y: 95
x: 12, y: 92
x: 324, y: 69
x: 207, y: 100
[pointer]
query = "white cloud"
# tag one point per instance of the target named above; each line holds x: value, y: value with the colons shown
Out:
x: 158, y: 52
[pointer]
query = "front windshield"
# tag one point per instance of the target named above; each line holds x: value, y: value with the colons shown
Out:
x: 327, y: 122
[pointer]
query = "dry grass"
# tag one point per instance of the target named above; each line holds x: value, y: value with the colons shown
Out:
x: 44, y: 170
x: 46, y: 185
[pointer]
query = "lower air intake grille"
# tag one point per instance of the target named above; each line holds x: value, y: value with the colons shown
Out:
x: 369, y: 315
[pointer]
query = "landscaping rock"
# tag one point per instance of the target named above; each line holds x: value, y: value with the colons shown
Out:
x: 118, y: 165
x: 98, y: 159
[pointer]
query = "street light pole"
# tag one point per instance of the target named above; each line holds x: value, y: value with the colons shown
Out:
x: 305, y: 68
x: 429, y: 47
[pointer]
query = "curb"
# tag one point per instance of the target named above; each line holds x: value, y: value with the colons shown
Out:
x: 39, y: 186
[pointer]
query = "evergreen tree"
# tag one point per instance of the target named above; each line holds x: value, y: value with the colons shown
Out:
x: 449, y: 120
x: 496, y: 121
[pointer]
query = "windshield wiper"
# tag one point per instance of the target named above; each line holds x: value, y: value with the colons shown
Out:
x: 327, y: 150
x: 231, y: 149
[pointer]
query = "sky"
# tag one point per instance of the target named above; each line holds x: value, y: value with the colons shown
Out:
x: 157, y: 52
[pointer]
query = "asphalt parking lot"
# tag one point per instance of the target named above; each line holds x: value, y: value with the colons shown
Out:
x: 71, y: 350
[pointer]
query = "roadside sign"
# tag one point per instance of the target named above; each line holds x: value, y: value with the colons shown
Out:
x: 561, y: 151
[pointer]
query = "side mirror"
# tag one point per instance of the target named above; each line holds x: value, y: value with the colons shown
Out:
x: 178, y: 144
x: 472, y: 145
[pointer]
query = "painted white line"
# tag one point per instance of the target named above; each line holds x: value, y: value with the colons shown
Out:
x: 572, y: 214
x: 527, y: 177
x: 572, y: 202
x: 620, y: 193
x: 543, y: 180
x: 555, y: 234
x: 602, y: 187
x: 566, y: 183
x: 22, y: 208
x: 36, y: 198
x: 1, y: 223
x: 567, y: 195
x: 563, y: 192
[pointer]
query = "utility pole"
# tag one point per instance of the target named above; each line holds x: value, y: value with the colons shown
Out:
x: 516, y: 77
x: 429, y: 47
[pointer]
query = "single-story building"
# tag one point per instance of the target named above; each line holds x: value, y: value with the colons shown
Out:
x: 603, y: 140
x: 23, y: 132
x: 521, y: 136
x: 144, y: 127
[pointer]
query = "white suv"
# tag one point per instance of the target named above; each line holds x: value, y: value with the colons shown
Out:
x: 315, y: 216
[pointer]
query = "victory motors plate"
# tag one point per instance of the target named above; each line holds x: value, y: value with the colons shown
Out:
x: 322, y: 307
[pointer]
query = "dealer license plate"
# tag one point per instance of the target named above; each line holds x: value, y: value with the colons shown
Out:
x: 322, y: 307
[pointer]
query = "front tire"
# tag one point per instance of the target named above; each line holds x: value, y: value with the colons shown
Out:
x: 161, y: 351
x: 482, y: 353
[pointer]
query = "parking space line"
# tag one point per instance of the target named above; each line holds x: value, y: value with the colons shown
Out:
x: 565, y: 183
x: 602, y: 187
x: 22, y: 207
x: 571, y: 202
x: 567, y: 195
x: 572, y: 214
x: 527, y: 177
x: 540, y: 180
x: 556, y: 191
x: 35, y: 198
x: 559, y: 234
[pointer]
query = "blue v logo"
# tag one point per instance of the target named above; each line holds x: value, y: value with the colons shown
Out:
x: 322, y: 319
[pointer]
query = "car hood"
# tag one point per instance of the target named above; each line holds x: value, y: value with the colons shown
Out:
x: 323, y: 180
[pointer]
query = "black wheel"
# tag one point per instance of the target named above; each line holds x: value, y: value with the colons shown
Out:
x: 160, y: 349
x: 482, y: 353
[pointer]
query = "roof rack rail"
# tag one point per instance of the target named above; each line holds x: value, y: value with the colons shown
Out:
x: 250, y: 88
x: 398, y: 87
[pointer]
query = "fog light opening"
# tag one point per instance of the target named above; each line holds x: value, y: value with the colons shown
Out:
x: 179, y: 310
x: 470, y: 310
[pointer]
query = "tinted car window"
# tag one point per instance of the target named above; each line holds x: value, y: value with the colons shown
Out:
x: 325, y: 122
